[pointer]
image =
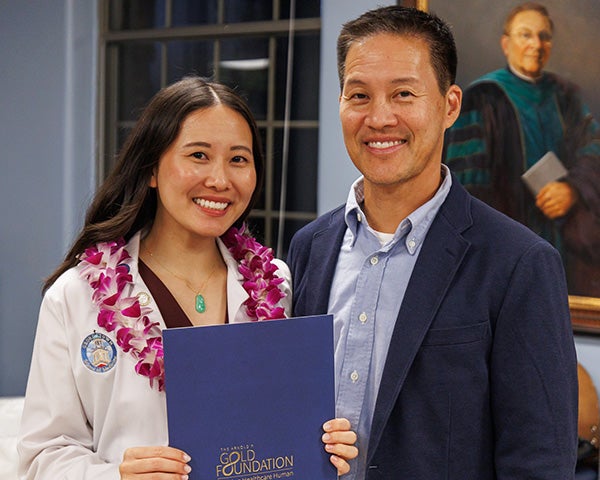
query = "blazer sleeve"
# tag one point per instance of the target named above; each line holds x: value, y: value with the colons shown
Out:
x: 534, y: 389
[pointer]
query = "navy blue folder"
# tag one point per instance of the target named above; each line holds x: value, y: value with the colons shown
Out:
x: 247, y: 401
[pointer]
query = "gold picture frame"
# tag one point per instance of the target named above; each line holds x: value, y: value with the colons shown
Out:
x: 585, y: 314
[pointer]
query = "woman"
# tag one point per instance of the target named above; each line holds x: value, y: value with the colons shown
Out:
x: 162, y: 247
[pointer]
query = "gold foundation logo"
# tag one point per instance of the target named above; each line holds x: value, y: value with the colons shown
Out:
x: 242, y: 463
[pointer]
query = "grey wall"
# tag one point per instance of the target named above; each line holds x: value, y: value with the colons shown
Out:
x: 48, y: 58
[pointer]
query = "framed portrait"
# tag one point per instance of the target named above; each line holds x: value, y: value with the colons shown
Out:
x: 478, y: 28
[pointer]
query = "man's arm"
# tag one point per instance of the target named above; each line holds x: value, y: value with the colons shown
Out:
x: 534, y: 373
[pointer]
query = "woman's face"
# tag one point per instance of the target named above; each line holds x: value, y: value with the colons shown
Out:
x: 205, y: 179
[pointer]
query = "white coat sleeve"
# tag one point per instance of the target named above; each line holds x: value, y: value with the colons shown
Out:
x: 56, y: 438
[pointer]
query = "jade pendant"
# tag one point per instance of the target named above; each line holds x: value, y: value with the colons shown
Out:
x: 200, y: 304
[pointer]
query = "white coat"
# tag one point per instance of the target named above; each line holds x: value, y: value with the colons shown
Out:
x: 77, y: 422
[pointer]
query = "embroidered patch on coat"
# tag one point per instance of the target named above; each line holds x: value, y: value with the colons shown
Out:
x: 98, y: 352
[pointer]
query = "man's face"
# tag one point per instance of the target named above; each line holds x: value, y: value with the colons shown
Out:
x: 393, y: 114
x: 528, y: 43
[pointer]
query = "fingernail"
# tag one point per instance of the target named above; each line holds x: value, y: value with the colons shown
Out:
x: 187, y: 469
x: 326, y: 437
x: 186, y: 457
x: 185, y: 477
x: 327, y: 426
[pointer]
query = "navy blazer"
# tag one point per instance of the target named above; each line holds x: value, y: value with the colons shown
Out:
x: 480, y: 381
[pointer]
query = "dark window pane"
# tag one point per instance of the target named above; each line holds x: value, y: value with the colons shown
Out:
x: 248, y: 11
x: 189, y: 58
x: 290, y: 227
x: 304, y: 9
x: 194, y: 12
x: 139, y: 77
x: 305, y: 78
x: 136, y: 14
x: 302, y: 170
x: 244, y: 66
x: 245, y: 48
x: 257, y: 228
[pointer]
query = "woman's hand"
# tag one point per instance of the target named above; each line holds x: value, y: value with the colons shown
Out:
x: 169, y: 462
x: 339, y: 441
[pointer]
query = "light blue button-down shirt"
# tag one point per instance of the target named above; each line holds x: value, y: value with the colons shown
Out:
x: 367, y: 291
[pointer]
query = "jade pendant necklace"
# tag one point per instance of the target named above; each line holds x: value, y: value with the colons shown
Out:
x: 199, y: 301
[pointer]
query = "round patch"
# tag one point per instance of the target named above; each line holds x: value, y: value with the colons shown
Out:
x: 98, y: 352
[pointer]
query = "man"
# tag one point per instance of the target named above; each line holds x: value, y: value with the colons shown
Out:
x: 510, y: 119
x: 454, y: 353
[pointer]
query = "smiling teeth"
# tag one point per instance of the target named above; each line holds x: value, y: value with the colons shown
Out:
x: 212, y: 205
x: 385, y: 144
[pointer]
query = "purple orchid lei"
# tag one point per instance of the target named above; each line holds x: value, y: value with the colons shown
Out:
x: 106, y: 268
x: 257, y: 267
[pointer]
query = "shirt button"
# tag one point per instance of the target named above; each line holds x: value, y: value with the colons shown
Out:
x: 354, y: 376
x: 362, y: 317
x: 374, y: 260
x: 412, y: 243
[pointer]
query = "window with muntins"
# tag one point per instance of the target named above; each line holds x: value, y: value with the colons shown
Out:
x: 250, y: 45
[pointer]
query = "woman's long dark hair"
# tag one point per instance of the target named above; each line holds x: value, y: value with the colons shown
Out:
x: 125, y: 203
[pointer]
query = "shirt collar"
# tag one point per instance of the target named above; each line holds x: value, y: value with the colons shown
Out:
x: 516, y: 73
x: 413, y: 228
x: 354, y: 215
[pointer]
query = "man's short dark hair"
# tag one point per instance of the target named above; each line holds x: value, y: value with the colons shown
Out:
x: 403, y: 21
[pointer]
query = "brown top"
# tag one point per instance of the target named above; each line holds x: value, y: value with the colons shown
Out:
x: 172, y: 313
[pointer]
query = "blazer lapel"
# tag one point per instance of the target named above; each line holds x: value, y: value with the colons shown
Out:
x: 439, y: 259
x: 323, y: 260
